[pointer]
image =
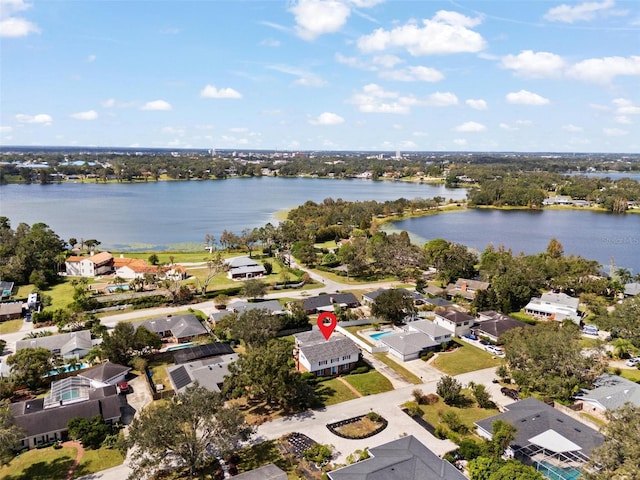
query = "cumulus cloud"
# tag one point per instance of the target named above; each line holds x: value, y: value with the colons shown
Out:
x: 572, y: 128
x: 534, y: 64
x: 442, y: 99
x: 447, y: 32
x: 88, y: 115
x: 476, y: 104
x: 524, y: 97
x: 327, y: 118
x: 623, y: 119
x: 625, y: 107
x: 211, y: 91
x: 603, y: 70
x: 40, y: 118
x: 614, y: 132
x: 317, y: 17
x: 506, y: 126
x: 413, y: 74
x: 386, y: 61
x: 14, y: 27
x: 374, y: 99
x: 157, y: 105
x: 582, y: 12
x: 470, y: 127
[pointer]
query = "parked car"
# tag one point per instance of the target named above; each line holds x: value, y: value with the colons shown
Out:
x: 124, y: 387
x: 510, y: 392
x: 485, y: 342
x: 470, y: 336
x: 632, y: 362
x: 590, y: 330
x: 492, y: 349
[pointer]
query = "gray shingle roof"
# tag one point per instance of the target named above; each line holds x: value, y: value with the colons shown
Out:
x: 209, y: 373
x: 105, y: 371
x: 272, y: 306
x: 315, y: 348
x: 321, y: 301
x: 181, y: 326
x: 408, y: 343
x: 375, y: 294
x: 612, y: 391
x: 429, y: 328
x: 403, y: 459
x: 497, y: 324
x: 239, y: 262
x: 65, y: 342
x: 455, y: 316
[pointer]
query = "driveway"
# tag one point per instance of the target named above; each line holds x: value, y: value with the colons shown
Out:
x: 134, y: 402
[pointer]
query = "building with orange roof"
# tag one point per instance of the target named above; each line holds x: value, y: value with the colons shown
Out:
x: 98, y: 264
x: 130, y: 268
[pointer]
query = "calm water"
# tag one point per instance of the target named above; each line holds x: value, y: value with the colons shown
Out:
x: 593, y: 235
x: 179, y: 214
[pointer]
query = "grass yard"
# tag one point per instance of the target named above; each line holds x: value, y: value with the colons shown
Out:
x: 159, y: 374
x: 399, y: 369
x: 333, y: 391
x: 466, y: 358
x: 263, y: 454
x: 11, y: 326
x: 632, y: 374
x: 369, y: 383
x: 40, y: 464
x: 61, y: 294
x: 468, y: 415
x: 97, y: 460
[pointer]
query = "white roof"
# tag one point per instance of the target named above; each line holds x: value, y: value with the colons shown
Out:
x: 552, y: 440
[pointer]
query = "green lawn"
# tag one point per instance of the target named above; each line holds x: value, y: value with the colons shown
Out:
x: 61, y: 294
x: 11, y: 326
x: 369, y: 383
x: 263, y: 454
x: 466, y: 358
x: 333, y: 391
x: 160, y: 375
x: 97, y: 460
x: 399, y: 369
x: 40, y: 464
x: 632, y: 374
x: 467, y: 415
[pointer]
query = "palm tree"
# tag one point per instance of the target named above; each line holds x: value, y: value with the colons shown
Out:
x: 624, y: 275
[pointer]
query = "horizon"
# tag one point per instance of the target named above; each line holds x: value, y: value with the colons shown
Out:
x: 469, y: 76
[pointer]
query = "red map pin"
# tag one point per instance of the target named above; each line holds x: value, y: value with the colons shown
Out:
x: 327, y: 322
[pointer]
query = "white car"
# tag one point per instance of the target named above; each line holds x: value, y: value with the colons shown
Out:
x: 632, y: 362
x: 492, y: 349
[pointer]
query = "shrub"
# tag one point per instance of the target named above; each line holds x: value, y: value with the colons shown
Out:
x: 418, y: 395
x: 427, y: 356
x: 430, y: 399
x: 453, y: 421
x: 469, y: 449
x: 441, y: 432
x: 449, y: 389
x: 413, y: 409
x: 374, y: 417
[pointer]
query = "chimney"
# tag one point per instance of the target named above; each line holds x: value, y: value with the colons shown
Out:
x: 463, y: 286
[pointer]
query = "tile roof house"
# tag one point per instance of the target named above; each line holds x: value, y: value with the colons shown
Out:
x: 554, y: 306
x: 44, y: 420
x: 67, y: 345
x: 609, y: 392
x: 546, y: 437
x: 107, y: 372
x: 130, y: 268
x: 208, y: 372
x: 415, y: 338
x: 403, y: 459
x: 98, y: 264
x: 492, y: 324
x: 181, y: 327
x: 457, y: 322
x: 313, y: 353
x: 325, y: 303
x: 242, y: 268
x: 466, y: 288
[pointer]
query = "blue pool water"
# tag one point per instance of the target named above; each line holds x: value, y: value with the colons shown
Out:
x: 556, y: 473
x: 376, y: 336
x: 67, y: 369
x: 180, y: 347
x: 117, y: 288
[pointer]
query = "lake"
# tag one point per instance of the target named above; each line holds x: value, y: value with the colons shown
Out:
x: 593, y: 235
x: 178, y: 215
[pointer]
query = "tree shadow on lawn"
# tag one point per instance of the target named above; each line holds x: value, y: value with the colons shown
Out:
x: 54, y: 470
x: 323, y: 393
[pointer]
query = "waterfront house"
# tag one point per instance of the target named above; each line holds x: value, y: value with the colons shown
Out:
x: 457, y: 322
x: 130, y: 268
x: 405, y: 458
x: 178, y: 328
x: 243, y: 268
x: 94, y: 265
x: 66, y: 345
x: 547, y: 439
x: 554, y: 306
x: 313, y: 353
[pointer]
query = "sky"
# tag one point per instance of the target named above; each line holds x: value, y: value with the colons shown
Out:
x: 375, y: 75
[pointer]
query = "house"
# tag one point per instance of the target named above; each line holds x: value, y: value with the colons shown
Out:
x: 130, y: 268
x: 492, y: 324
x: 554, y: 306
x: 181, y: 328
x: 66, y: 345
x: 44, y: 420
x: 10, y: 311
x: 268, y: 472
x: 108, y: 372
x: 609, y: 392
x: 325, y: 303
x: 98, y: 264
x: 415, y: 338
x: 208, y: 372
x: 457, y: 322
x: 546, y: 438
x: 465, y: 288
x: 404, y: 459
x: 204, y: 350
x: 242, y: 268
x: 369, y: 298
x: 632, y: 289
x: 438, y: 302
x: 313, y: 353
x: 271, y: 306
x: 6, y: 290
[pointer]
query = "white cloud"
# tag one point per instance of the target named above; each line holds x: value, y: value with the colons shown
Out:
x: 14, y: 27
x: 420, y: 134
x: 446, y: 32
x: 317, y: 17
x: 9, y: 7
x: 534, y: 64
x: 239, y: 129
x: 413, y: 74
x: 470, y: 127
x: 625, y: 107
x: 582, y: 12
x: 623, y: 120
x: 180, y: 131
x: 442, y: 99
x: 572, y: 128
x: 212, y: 92
x: 88, y: 115
x: 327, y: 118
x: 305, y: 78
x: 603, y: 70
x: 270, y: 42
x: 157, y: 105
x: 386, y: 61
x: 364, y: 3
x: 374, y: 99
x: 6, y: 129
x: 109, y: 103
x: 476, y: 104
x: 506, y: 126
x: 614, y: 132
x: 40, y: 118
x: 524, y: 97
x: 91, y: 58
x: 460, y: 141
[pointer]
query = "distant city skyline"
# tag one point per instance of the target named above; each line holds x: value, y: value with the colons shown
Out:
x: 328, y: 75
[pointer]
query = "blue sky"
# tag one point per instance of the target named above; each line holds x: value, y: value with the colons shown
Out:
x: 322, y: 74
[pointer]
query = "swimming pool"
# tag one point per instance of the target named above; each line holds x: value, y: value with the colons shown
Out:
x: 180, y: 347
x: 377, y: 336
x: 67, y: 369
x: 556, y: 473
x: 117, y: 288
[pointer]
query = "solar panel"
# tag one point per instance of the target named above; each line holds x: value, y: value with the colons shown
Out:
x: 180, y: 378
x: 202, y: 351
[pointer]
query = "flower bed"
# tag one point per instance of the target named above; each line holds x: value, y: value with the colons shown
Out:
x: 362, y: 426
